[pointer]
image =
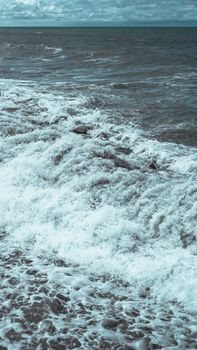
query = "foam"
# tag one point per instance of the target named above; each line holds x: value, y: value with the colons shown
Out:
x: 70, y: 192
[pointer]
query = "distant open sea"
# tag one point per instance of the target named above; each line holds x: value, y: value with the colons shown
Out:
x: 98, y: 188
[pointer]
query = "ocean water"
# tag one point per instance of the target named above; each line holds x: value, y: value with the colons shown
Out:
x: 98, y: 188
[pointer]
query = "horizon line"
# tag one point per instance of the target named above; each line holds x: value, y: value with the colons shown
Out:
x: 143, y: 25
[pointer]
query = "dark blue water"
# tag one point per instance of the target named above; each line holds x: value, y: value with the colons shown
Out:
x: 148, y: 75
x: 97, y: 217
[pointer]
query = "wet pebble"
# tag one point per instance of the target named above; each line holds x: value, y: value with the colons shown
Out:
x: 63, y: 297
x: 32, y: 272
x: 13, y: 281
x: 26, y: 261
x: 110, y: 323
x: 36, y: 312
x: 124, y: 150
x: 136, y: 334
x: 81, y: 129
x: 49, y: 327
x: 56, y: 306
x: 13, y: 336
x: 43, y: 344
x: 65, y: 343
x: 56, y: 345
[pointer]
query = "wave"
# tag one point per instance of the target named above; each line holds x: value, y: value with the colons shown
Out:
x: 97, y: 225
x: 53, y: 50
x: 96, y: 193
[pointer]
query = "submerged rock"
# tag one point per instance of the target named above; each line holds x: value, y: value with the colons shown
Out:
x: 13, y: 336
x: 110, y: 323
x: 56, y: 306
x: 81, y: 129
x: 62, y: 297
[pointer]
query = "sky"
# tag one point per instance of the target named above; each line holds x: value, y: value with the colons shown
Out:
x: 97, y: 12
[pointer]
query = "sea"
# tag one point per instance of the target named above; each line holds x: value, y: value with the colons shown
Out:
x: 98, y: 188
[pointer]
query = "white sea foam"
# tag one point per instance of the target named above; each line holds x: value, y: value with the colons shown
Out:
x: 53, y: 50
x: 96, y: 193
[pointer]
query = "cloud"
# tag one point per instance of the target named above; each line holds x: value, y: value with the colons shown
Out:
x: 26, y: 2
x: 98, y: 11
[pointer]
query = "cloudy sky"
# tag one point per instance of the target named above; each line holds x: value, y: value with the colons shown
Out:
x: 97, y: 12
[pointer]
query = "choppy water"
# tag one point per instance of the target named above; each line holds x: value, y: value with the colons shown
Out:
x: 98, y: 189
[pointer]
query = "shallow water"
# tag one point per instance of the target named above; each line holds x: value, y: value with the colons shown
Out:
x: 98, y: 217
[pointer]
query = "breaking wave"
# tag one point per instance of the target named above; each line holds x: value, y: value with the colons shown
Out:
x: 97, y: 195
